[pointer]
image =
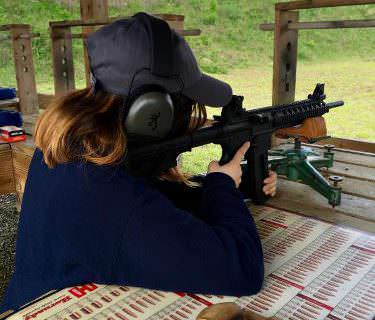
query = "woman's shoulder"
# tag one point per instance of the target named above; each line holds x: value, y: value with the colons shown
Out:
x: 88, y: 178
x: 82, y: 172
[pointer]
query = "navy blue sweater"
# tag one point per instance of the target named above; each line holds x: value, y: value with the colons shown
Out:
x: 84, y: 223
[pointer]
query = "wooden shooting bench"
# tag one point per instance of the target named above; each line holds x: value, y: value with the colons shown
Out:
x: 355, y: 160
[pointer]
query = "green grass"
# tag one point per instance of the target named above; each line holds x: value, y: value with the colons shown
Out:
x: 230, y: 38
x: 234, y: 49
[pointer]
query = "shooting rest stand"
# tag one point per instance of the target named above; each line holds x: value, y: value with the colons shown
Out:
x: 301, y: 163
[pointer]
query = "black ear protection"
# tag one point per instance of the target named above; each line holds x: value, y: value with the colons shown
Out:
x: 150, y: 112
x: 150, y: 115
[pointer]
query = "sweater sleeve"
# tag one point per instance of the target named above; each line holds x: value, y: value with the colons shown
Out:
x: 167, y: 248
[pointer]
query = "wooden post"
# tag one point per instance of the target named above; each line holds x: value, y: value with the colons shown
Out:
x: 91, y: 10
x: 285, y: 58
x: 62, y: 59
x: 7, y: 184
x: 25, y: 73
x: 338, y: 24
x: 175, y: 21
x: 309, y: 4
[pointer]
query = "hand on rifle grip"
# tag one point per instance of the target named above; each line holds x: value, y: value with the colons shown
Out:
x: 233, y: 167
x: 270, y: 184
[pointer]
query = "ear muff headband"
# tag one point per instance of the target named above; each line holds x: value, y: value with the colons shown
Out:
x: 161, y: 44
x: 151, y: 111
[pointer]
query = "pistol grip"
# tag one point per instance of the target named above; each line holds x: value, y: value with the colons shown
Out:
x: 256, y: 170
x: 229, y: 149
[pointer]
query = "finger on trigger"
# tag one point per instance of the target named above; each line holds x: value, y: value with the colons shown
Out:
x: 241, y: 152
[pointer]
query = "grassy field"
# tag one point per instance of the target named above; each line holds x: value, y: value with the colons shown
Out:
x: 230, y: 38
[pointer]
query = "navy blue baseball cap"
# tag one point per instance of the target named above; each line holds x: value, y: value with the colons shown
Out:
x: 142, y: 50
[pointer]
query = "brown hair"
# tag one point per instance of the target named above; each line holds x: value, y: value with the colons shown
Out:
x: 83, y: 126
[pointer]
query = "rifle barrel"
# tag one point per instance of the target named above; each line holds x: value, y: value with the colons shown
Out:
x: 335, y: 104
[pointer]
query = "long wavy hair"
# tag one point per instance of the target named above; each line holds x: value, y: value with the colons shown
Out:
x: 83, y: 126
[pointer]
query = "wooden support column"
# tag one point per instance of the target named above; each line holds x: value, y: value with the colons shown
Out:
x: 62, y: 59
x: 7, y: 184
x: 25, y: 74
x: 92, y: 10
x: 285, y: 58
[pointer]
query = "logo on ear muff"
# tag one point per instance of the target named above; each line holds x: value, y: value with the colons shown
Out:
x: 153, y: 123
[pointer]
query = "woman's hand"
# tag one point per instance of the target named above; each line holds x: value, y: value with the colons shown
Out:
x: 228, y: 311
x: 270, y: 184
x: 233, y: 167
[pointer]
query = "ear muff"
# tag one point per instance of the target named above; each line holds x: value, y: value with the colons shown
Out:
x: 150, y: 115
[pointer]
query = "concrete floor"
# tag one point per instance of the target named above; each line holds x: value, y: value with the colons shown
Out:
x: 8, y: 232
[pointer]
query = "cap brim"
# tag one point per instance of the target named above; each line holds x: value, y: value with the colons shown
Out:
x: 209, y: 91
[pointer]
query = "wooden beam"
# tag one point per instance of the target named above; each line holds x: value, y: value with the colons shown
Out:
x: 7, y: 27
x: 29, y: 122
x: 24, y: 65
x: 91, y: 9
x: 62, y: 59
x: 100, y: 22
x: 285, y: 58
x: 185, y: 33
x: 353, y: 211
x: 81, y: 23
x: 175, y: 21
x: 6, y: 170
x: 44, y: 100
x: 310, y: 4
x: 341, y: 24
x: 21, y: 36
x: 351, y: 144
x: 21, y: 162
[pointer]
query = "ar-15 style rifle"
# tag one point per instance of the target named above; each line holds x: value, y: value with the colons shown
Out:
x: 230, y: 130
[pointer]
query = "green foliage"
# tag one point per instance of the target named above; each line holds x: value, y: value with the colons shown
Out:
x: 230, y: 31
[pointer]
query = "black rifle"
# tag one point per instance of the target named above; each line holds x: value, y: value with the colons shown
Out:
x: 234, y: 127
